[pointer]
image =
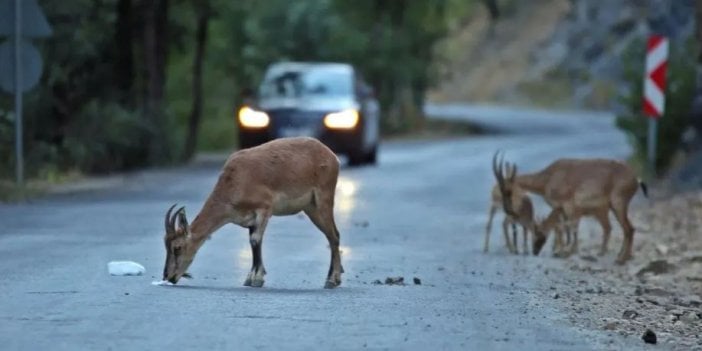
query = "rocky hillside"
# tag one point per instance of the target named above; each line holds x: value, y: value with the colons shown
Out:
x: 565, y: 53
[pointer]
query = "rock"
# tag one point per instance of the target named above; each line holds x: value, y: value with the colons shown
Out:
x: 657, y: 292
x: 417, y: 281
x: 654, y: 302
x: 649, y: 337
x: 662, y: 249
x: 693, y: 301
x: 689, y: 317
x: 556, y: 296
x: 610, y: 326
x: 693, y: 256
x: 362, y: 224
x: 589, y: 258
x: 630, y: 314
x: 377, y: 282
x: 656, y: 267
x: 395, y: 281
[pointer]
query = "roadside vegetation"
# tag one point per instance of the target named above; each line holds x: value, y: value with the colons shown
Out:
x: 133, y: 83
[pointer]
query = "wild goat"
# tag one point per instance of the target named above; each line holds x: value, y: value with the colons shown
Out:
x: 575, y: 188
x: 522, y: 205
x: 281, y: 177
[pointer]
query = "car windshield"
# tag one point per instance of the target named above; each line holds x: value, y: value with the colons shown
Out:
x: 311, y: 82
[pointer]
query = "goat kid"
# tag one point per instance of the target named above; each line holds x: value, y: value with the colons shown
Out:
x: 524, y: 208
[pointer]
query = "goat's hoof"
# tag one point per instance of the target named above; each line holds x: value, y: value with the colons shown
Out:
x: 331, y: 284
x: 247, y: 282
x: 257, y: 283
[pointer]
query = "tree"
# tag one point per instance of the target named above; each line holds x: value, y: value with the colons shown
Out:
x: 493, y: 9
x: 155, y: 50
x: 696, y: 113
x: 203, y: 16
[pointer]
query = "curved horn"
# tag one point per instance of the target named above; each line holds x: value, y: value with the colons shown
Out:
x: 168, y: 222
x: 175, y: 216
x: 498, y: 168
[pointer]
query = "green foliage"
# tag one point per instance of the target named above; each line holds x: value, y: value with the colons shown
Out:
x: 89, y: 112
x: 80, y: 117
x: 679, y: 94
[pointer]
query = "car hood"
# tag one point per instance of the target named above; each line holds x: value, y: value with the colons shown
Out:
x: 308, y: 104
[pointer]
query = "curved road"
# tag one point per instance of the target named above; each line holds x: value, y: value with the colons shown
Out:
x: 420, y: 213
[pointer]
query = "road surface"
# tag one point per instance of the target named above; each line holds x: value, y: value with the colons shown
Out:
x: 420, y: 213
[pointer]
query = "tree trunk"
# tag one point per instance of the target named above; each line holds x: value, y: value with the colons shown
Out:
x: 123, y: 73
x: 155, y: 53
x: 196, y: 112
x: 696, y: 113
x: 493, y: 9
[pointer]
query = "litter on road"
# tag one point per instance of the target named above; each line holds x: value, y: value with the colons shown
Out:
x: 123, y: 268
x: 161, y: 282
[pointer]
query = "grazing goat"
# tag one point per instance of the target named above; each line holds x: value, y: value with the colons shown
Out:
x: 281, y: 177
x: 522, y: 205
x: 575, y: 188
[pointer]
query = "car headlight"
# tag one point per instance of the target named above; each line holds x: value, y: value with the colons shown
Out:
x: 251, y: 118
x: 345, y: 119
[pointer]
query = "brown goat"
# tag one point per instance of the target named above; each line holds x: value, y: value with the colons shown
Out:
x: 281, y: 177
x: 576, y: 188
x: 522, y: 205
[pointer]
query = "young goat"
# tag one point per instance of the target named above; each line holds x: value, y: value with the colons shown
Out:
x: 281, y: 177
x: 522, y: 205
x: 575, y: 188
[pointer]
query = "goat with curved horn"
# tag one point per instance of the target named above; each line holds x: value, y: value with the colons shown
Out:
x: 575, y: 188
x: 282, y: 177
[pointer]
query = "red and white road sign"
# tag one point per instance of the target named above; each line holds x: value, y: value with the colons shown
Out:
x: 654, y: 83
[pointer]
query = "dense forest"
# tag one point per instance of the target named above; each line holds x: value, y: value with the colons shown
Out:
x: 132, y: 83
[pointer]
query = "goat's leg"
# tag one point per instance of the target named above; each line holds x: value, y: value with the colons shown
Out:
x: 488, y: 227
x: 505, y: 232
x: 557, y: 238
x: 323, y: 218
x: 573, y: 223
x: 515, y: 237
x: 255, y: 277
x: 603, y: 218
x: 621, y: 213
x: 525, y: 245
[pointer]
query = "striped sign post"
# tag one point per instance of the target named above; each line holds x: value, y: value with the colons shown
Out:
x: 654, y: 91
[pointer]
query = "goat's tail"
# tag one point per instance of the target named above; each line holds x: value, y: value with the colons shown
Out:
x: 644, y: 187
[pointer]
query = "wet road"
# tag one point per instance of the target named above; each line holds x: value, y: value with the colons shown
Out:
x: 420, y: 213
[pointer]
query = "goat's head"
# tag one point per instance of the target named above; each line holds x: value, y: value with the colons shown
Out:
x: 505, y: 184
x: 180, y: 249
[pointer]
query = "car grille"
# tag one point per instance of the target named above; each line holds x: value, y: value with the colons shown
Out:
x: 290, y: 118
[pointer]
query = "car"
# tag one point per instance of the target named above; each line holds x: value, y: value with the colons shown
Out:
x: 325, y: 100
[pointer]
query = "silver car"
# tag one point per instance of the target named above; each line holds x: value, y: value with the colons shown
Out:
x: 328, y: 101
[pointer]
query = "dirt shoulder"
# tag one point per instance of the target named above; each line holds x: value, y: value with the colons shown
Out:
x: 660, y: 289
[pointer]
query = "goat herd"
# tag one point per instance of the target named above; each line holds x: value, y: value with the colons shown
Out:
x: 573, y: 188
x: 292, y: 175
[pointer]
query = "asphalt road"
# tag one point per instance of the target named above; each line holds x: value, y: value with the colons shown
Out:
x: 420, y: 213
